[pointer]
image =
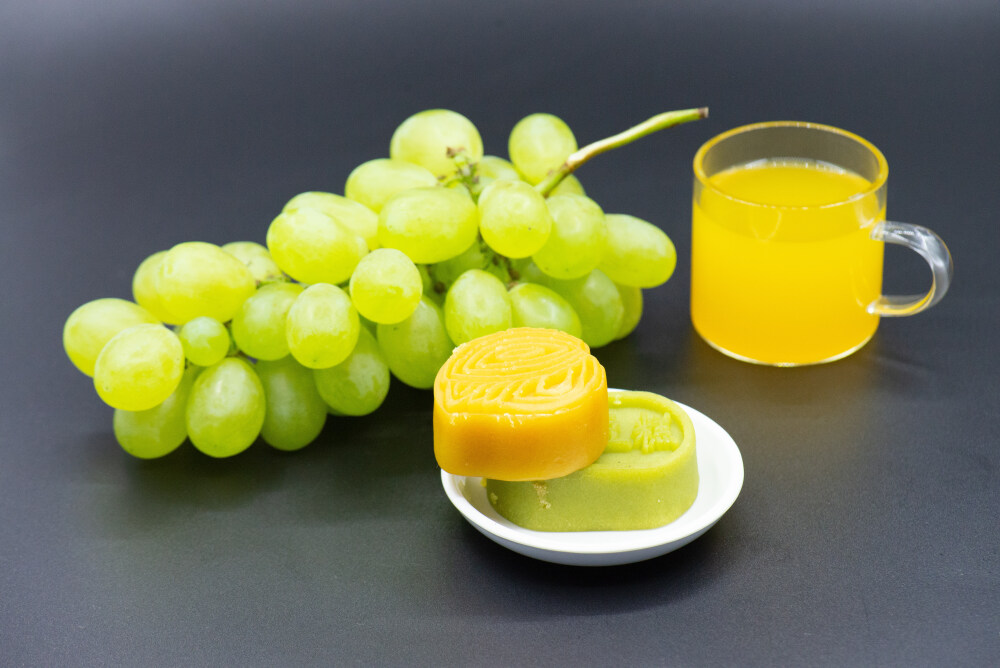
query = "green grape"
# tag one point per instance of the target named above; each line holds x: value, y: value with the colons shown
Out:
x: 528, y: 272
x: 372, y: 183
x: 197, y: 278
x: 638, y: 253
x: 570, y: 185
x: 359, y: 384
x: 259, y: 325
x: 144, y: 288
x: 322, y: 326
x: 476, y: 256
x: 461, y: 188
x: 386, y: 286
x: 429, y: 224
x: 205, y: 340
x: 579, y: 234
x: 426, y: 280
x: 476, y: 304
x: 538, y: 144
x: 632, y: 301
x: 225, y: 408
x: 598, y: 303
x: 490, y: 168
x: 311, y: 247
x: 139, y: 367
x: 367, y: 324
x: 356, y: 217
x: 157, y: 431
x: 433, y: 288
x: 513, y: 218
x: 257, y: 259
x: 93, y: 324
x: 417, y: 347
x: 426, y: 138
x: 534, y: 305
x: 513, y: 272
x: 295, y: 413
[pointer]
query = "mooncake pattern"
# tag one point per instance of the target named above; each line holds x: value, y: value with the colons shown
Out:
x: 522, y: 404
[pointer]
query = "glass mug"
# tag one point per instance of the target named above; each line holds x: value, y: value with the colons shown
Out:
x: 788, y: 233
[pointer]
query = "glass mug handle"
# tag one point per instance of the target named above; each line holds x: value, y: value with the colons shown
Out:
x: 932, y: 249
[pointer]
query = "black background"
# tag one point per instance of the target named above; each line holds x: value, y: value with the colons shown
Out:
x: 867, y: 531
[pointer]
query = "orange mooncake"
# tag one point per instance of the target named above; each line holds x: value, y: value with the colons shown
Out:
x: 521, y: 404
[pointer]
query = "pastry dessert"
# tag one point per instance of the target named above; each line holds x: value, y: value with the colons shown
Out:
x: 646, y: 477
x: 521, y: 404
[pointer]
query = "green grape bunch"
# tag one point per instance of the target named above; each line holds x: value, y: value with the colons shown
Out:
x: 430, y: 247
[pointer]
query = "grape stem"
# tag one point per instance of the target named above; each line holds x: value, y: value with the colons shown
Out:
x: 654, y: 124
x: 465, y: 172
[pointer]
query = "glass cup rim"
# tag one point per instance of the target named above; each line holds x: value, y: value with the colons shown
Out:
x: 876, y: 184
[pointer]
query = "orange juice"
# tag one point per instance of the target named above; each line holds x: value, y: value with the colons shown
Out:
x: 783, y: 265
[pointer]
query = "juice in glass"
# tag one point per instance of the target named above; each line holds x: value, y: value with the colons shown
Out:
x: 788, y: 233
x: 783, y: 263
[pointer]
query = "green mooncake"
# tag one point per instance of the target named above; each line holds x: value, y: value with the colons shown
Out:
x: 646, y: 477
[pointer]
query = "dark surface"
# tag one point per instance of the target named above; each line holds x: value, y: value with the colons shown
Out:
x: 867, y: 531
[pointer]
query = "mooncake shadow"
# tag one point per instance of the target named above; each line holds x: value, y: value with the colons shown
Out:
x: 558, y: 589
x: 376, y: 466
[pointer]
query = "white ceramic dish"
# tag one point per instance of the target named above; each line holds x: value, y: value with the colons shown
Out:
x: 720, y: 469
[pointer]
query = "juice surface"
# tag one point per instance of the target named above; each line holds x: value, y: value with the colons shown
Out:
x: 783, y: 266
x: 789, y: 183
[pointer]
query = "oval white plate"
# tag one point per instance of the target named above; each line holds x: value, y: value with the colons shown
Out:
x: 720, y: 471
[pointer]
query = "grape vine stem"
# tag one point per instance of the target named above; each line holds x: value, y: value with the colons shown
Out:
x: 654, y: 124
